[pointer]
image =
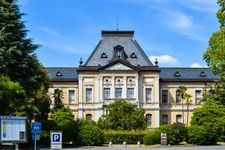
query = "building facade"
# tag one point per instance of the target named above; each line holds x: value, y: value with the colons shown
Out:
x: 118, y: 68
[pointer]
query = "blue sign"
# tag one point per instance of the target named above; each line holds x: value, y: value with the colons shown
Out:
x: 56, y: 137
x: 35, y: 136
x: 36, y: 127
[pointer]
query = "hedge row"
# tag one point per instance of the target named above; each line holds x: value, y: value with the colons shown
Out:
x: 130, y: 137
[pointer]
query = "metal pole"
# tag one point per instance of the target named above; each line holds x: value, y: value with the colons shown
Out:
x: 34, y: 141
x: 17, y: 146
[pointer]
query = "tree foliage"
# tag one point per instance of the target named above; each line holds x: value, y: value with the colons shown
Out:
x: 123, y: 115
x: 18, y: 59
x: 58, y: 96
x: 64, y: 121
x: 215, y: 55
x: 13, y: 93
x: 210, y: 115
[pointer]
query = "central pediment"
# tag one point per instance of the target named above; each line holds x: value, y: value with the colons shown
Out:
x: 118, y: 66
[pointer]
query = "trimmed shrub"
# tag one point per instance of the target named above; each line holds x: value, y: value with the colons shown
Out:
x: 200, y: 135
x: 152, y: 138
x: 91, y: 135
x: 130, y: 137
x: 176, y: 132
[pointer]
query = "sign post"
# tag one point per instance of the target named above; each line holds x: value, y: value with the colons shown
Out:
x: 163, y: 139
x: 35, y: 130
x: 56, y: 139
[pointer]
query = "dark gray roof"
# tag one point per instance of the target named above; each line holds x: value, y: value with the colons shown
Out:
x: 62, y: 73
x: 111, y: 39
x: 187, y: 74
x: 166, y: 74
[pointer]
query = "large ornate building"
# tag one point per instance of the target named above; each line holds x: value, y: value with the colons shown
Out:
x: 118, y: 68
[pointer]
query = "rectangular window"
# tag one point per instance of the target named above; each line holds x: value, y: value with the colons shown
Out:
x: 198, y: 95
x: 71, y: 96
x: 178, y: 98
x: 118, y: 93
x: 148, y: 95
x: 164, y: 119
x: 179, y: 118
x: 106, y: 93
x: 130, y: 92
x: 149, y: 120
x: 88, y: 95
x: 164, y: 96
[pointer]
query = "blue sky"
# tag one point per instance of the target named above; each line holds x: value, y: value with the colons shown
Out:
x: 174, y: 31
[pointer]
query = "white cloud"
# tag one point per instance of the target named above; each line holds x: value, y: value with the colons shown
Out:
x: 196, y: 65
x: 179, y: 20
x: 50, y: 31
x: 164, y: 59
x: 182, y: 24
x: 200, y: 5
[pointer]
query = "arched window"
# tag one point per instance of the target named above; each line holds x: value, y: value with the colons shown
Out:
x: 164, y: 119
x: 149, y: 120
x: 89, y: 117
x: 179, y: 118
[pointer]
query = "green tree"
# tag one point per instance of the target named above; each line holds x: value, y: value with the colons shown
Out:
x: 64, y: 120
x: 181, y: 90
x: 11, y: 96
x: 58, y: 96
x: 215, y: 55
x: 18, y: 59
x: 210, y: 115
x: 123, y: 115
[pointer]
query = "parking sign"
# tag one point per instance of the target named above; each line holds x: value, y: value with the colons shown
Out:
x: 56, y: 140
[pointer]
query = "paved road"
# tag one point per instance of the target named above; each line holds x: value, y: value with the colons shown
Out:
x: 121, y: 147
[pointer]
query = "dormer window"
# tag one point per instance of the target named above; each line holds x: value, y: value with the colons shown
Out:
x: 133, y: 55
x: 103, y: 55
x: 119, y: 52
x: 202, y: 74
x: 176, y: 74
x: 59, y: 74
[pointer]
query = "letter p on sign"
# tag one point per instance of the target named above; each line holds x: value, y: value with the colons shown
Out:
x: 56, y: 137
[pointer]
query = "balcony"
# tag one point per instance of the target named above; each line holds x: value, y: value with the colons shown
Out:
x: 111, y: 100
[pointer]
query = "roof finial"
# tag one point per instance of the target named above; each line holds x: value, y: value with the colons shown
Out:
x: 156, y: 62
x: 81, y: 61
x: 117, y: 23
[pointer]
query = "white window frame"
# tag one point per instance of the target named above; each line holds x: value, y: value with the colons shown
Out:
x: 116, y: 93
x: 149, y: 123
x: 91, y: 100
x: 179, y: 118
x: 178, y: 97
x: 104, y: 96
x: 74, y: 96
x: 128, y: 97
x: 198, y: 102
x: 149, y: 87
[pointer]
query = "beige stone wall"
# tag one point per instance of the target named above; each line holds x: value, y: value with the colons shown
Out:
x: 172, y: 109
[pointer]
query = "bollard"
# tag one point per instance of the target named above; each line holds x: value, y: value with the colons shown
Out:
x: 125, y: 144
x: 138, y: 144
x: 110, y: 144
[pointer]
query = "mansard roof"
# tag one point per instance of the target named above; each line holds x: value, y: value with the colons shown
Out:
x: 166, y: 74
x: 62, y: 73
x: 187, y: 74
x: 104, y: 52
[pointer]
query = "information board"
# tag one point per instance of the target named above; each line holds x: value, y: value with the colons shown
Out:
x: 13, y: 129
